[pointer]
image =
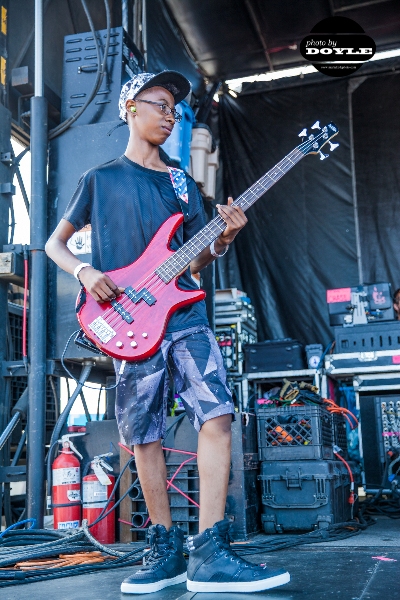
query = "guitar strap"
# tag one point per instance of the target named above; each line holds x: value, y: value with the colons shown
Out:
x: 179, y: 183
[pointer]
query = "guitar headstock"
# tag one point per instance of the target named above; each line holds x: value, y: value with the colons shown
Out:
x: 318, y: 138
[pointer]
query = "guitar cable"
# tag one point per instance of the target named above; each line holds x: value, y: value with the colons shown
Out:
x: 90, y: 387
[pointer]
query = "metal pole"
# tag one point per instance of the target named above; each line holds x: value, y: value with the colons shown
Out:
x: 5, y: 199
x: 85, y: 372
x: 38, y: 47
x: 353, y: 85
x: 38, y: 300
x: 144, y: 32
x: 9, y: 429
x: 125, y: 15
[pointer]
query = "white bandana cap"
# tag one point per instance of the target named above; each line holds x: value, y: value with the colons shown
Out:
x: 173, y: 81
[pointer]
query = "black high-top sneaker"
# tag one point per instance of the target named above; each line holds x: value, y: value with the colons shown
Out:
x: 164, y: 565
x: 214, y: 567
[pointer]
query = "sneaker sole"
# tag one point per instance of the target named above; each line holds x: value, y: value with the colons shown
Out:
x: 238, y: 586
x: 148, y: 588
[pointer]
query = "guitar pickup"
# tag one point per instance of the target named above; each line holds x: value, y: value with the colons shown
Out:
x: 136, y: 297
x: 121, y: 311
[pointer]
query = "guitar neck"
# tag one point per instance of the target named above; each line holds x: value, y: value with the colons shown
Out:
x: 176, y: 263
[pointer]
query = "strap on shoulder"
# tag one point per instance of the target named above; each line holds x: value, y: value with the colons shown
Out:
x: 179, y: 183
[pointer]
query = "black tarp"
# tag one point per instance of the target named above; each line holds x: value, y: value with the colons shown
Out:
x: 228, y: 44
x: 376, y: 114
x: 166, y: 49
x: 300, y: 239
x: 220, y: 33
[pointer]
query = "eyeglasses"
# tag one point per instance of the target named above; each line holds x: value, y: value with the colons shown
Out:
x: 167, y: 110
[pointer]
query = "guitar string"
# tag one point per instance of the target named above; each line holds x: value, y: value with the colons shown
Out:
x: 117, y: 322
x: 218, y: 225
x: 296, y: 154
x: 113, y: 317
x: 243, y: 201
x: 125, y: 302
x: 111, y: 311
x: 121, y: 322
x: 153, y: 288
x: 180, y: 256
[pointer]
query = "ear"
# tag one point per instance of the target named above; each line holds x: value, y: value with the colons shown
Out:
x: 129, y: 105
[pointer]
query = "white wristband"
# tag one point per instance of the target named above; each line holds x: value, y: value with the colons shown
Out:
x: 213, y: 252
x: 78, y: 269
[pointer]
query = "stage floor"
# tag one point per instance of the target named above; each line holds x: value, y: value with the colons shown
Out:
x: 344, y: 570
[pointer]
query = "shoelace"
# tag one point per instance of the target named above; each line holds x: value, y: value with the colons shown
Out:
x: 158, y: 547
x: 225, y: 544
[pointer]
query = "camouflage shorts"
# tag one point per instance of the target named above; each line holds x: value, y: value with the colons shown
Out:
x: 194, y: 360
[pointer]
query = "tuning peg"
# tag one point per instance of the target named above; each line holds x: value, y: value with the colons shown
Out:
x: 316, y: 125
x: 332, y: 146
x: 322, y: 156
x: 303, y: 133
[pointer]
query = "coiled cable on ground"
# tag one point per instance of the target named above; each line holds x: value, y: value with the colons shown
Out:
x: 82, y: 541
x: 19, y: 546
x: 65, y: 543
x: 335, y: 532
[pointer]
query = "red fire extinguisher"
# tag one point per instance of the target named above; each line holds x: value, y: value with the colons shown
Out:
x: 96, y: 490
x: 66, y: 485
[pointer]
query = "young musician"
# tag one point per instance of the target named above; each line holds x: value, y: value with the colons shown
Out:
x: 126, y: 201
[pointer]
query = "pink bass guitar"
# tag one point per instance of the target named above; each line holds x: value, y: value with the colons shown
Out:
x: 132, y: 326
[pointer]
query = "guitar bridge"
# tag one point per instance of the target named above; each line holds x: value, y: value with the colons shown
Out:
x: 102, y: 330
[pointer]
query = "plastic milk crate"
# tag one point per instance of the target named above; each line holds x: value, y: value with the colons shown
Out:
x: 299, y: 432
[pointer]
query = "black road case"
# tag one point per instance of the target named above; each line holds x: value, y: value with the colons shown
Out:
x: 305, y: 495
x: 274, y: 355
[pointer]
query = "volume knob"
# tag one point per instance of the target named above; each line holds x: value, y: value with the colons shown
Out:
x: 130, y: 334
x: 145, y: 335
x: 133, y: 344
x: 119, y: 345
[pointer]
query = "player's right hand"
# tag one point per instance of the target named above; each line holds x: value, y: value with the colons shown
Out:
x: 99, y: 285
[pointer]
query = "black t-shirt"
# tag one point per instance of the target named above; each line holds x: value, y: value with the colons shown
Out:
x: 125, y: 204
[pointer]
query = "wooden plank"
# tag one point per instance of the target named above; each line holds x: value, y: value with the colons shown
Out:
x: 125, y: 508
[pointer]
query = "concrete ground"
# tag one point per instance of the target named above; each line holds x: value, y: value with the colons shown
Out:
x: 351, y: 569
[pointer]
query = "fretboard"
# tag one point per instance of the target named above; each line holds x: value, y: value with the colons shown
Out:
x: 186, y: 253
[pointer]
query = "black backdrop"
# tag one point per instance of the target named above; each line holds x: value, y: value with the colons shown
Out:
x: 165, y: 48
x: 376, y: 111
x: 301, y: 237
